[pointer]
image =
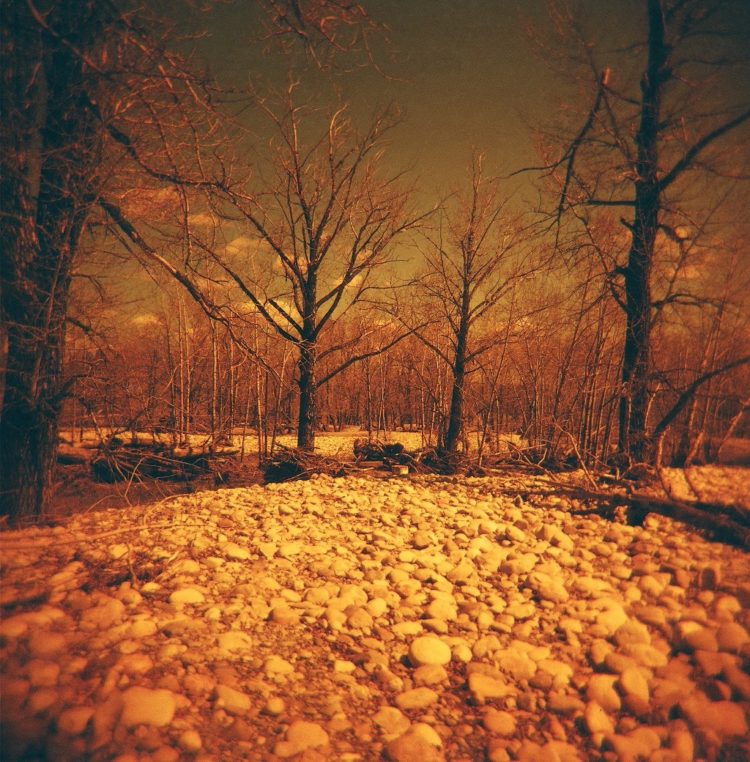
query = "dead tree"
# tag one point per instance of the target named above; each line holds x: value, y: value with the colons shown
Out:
x: 634, y: 154
x: 324, y: 226
x: 470, y: 267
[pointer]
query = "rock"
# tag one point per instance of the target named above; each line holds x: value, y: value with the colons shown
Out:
x: 638, y: 744
x: 645, y: 655
x: 703, y: 639
x: 190, y: 741
x: 284, y: 615
x: 235, y: 552
x: 632, y: 682
x: 289, y: 549
x: 429, y: 651
x: 416, y: 698
x: 186, y: 566
x: 42, y: 674
x: 234, y: 641
x: 611, y: 617
x: 731, y: 637
x: 601, y: 690
x: 187, y: 595
x: 44, y: 644
x: 721, y: 717
x: 632, y: 632
x: 234, y: 701
x: 739, y: 680
x: 547, y: 588
x: 303, y: 735
x: 421, y: 540
x: 565, y: 704
x: 74, y: 720
x: 359, y: 619
x: 500, y: 723
x: 117, y: 551
x: 515, y: 662
x: 430, y: 674
x: 427, y: 732
x: 105, y: 718
x: 274, y: 706
x: 681, y: 743
x: 597, y: 720
x: 142, y: 628
x: 275, y: 665
x: 391, y: 721
x: 483, y: 687
x: 413, y: 747
x: 107, y: 612
x: 442, y: 610
x: 143, y: 706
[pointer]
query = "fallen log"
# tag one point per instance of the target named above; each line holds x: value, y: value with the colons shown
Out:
x: 709, y: 516
x: 726, y: 523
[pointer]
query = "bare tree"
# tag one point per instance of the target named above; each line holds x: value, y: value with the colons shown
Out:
x: 326, y: 224
x: 637, y: 153
x: 471, y: 264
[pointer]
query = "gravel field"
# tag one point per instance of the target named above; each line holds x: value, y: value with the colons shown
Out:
x: 373, y: 618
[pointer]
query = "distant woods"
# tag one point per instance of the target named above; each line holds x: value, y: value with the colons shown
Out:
x: 295, y: 284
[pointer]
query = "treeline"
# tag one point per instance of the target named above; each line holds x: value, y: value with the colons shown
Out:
x: 550, y: 379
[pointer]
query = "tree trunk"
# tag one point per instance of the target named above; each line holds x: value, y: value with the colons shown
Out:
x: 40, y: 235
x: 307, y: 393
x: 456, y: 413
x: 636, y: 361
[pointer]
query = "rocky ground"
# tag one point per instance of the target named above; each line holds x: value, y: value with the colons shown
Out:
x: 358, y: 619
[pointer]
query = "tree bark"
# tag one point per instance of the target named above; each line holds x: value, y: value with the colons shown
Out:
x: 307, y: 394
x: 43, y: 217
x: 456, y: 413
x: 636, y: 364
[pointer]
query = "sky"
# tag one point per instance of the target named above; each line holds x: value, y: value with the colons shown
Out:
x: 465, y: 73
x: 462, y: 71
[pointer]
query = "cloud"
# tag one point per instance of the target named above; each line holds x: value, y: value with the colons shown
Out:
x: 241, y: 245
x: 145, y: 320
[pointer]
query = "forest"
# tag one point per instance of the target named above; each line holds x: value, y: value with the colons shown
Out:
x: 187, y: 257
x: 374, y: 380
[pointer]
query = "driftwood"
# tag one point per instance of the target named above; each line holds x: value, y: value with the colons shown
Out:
x: 716, y: 518
x: 726, y: 523
x: 365, y: 450
x: 123, y: 462
x: 288, y: 464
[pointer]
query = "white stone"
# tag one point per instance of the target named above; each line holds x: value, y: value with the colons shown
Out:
x: 483, y: 687
x: 73, y: 720
x: 234, y: 701
x: 429, y: 650
x: 144, y: 706
x: 234, y: 641
x: 416, y: 698
x: 187, y: 595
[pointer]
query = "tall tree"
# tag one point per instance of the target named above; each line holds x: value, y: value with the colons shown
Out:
x: 50, y: 154
x: 470, y: 266
x: 327, y: 219
x: 638, y: 152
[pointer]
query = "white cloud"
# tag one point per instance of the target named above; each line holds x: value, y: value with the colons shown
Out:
x: 145, y: 320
